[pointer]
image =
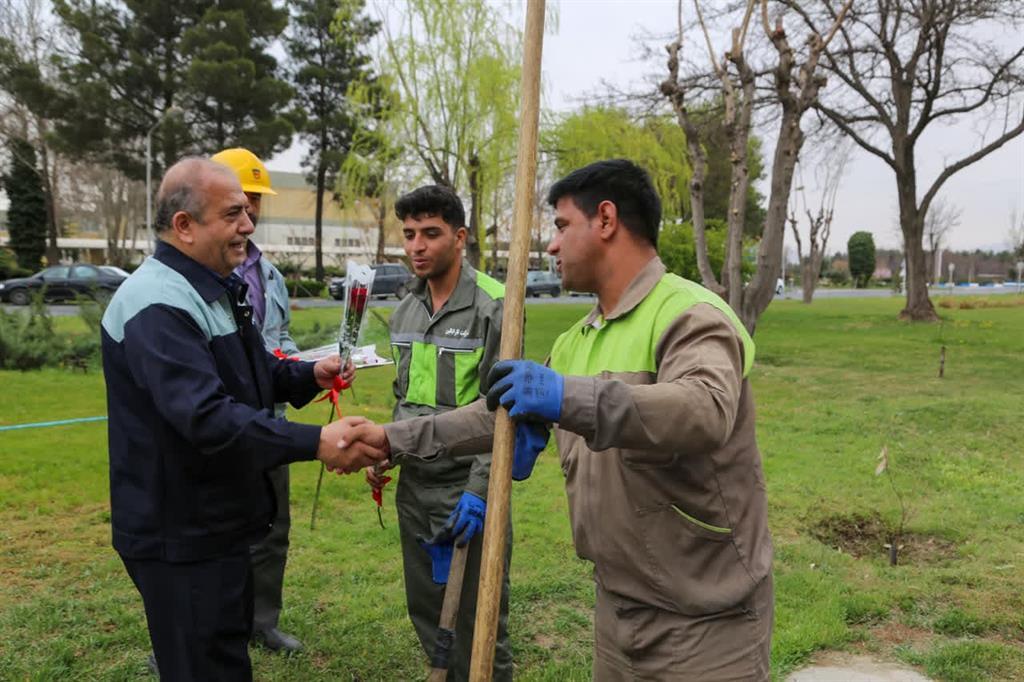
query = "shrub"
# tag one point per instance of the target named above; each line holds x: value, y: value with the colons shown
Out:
x: 305, y: 288
x: 27, y: 338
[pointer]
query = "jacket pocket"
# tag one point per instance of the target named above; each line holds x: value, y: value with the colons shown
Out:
x: 702, y: 528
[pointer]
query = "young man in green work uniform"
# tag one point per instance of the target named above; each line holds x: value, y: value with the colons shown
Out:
x: 445, y: 336
x: 655, y: 430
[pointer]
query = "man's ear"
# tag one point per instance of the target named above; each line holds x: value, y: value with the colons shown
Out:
x: 183, y: 227
x: 461, y: 235
x: 608, y: 215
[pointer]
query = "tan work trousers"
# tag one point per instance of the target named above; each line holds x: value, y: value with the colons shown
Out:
x: 634, y: 641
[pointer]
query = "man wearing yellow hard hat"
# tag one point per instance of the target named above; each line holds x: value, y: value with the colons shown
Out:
x: 268, y: 296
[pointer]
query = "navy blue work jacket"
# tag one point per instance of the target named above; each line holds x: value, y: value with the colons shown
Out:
x: 190, y: 397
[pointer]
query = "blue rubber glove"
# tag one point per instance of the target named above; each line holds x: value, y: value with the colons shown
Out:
x: 527, y: 390
x: 466, y: 520
x: 531, y: 439
x: 440, y: 552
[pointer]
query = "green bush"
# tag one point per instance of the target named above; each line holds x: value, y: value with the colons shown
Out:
x: 679, y: 252
x: 9, y: 267
x: 27, y: 338
x: 305, y: 288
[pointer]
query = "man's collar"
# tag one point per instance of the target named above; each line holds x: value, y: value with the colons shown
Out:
x: 635, y: 292
x: 462, y: 296
x: 252, y: 255
x: 209, y: 284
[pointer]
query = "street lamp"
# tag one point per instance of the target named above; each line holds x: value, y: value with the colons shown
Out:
x: 171, y: 112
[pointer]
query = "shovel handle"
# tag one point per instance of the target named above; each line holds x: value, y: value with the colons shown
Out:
x: 449, y: 614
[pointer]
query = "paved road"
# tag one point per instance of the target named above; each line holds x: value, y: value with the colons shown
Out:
x: 792, y: 293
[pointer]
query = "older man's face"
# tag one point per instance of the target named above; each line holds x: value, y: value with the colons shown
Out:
x: 222, y: 233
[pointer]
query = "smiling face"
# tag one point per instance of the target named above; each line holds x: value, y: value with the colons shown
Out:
x: 219, y: 238
x: 575, y: 246
x: 432, y: 245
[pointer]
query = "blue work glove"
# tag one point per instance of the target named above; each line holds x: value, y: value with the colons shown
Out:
x: 531, y: 439
x: 440, y: 552
x: 466, y: 520
x: 527, y: 390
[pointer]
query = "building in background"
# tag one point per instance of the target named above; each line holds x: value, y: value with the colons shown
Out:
x: 285, y: 232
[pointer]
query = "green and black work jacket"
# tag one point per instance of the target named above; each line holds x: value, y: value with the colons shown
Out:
x: 442, y: 362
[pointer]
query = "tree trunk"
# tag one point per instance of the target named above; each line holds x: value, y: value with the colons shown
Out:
x: 919, y: 307
x: 382, y: 215
x: 50, y: 188
x: 759, y: 293
x: 473, y: 253
x: 321, y: 173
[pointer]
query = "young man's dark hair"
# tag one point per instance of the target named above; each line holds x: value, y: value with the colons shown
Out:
x: 432, y: 200
x: 621, y: 182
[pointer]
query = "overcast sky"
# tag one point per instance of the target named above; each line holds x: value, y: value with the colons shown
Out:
x: 595, y: 41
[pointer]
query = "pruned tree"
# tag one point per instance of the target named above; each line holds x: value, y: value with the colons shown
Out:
x: 819, y: 221
x: 109, y: 198
x: 1015, y: 235
x: 903, y: 67
x: 940, y: 220
x: 794, y: 89
x: 328, y: 48
x: 455, y: 64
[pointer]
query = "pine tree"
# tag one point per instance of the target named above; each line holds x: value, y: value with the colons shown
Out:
x: 327, y: 44
x: 26, y: 215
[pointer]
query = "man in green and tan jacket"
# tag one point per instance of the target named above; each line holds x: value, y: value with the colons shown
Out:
x: 445, y: 336
x: 655, y: 430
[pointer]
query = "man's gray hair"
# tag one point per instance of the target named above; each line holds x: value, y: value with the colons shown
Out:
x: 182, y: 190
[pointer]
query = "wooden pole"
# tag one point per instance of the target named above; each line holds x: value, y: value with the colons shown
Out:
x: 499, y: 489
x: 446, y: 633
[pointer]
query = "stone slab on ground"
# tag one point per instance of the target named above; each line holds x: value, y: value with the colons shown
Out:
x: 837, y: 667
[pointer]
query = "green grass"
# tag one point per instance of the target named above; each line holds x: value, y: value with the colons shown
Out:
x: 834, y: 383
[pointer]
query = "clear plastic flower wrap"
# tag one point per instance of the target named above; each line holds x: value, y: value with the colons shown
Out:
x: 358, y: 285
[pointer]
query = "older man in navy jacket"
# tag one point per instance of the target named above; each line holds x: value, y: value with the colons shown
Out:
x: 191, y: 393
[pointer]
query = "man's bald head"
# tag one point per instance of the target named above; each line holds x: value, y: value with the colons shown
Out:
x: 183, y: 188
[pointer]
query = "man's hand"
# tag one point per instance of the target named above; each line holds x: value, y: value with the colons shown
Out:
x: 343, y: 455
x: 527, y: 390
x: 327, y: 368
x: 465, y: 521
x: 531, y: 439
x: 375, y: 477
x: 369, y: 433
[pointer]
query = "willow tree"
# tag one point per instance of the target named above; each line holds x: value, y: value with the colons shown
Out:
x: 455, y: 64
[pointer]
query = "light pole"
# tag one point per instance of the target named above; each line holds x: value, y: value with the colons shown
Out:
x: 171, y: 111
x: 952, y: 267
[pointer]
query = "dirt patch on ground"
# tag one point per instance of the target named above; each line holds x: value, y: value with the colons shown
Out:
x: 869, y: 535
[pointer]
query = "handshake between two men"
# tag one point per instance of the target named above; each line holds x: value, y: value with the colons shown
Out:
x: 531, y: 393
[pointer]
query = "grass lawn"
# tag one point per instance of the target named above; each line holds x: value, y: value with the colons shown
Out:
x: 834, y: 383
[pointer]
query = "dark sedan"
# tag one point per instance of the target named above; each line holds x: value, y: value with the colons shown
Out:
x: 543, y: 282
x: 65, y: 282
x: 389, y: 279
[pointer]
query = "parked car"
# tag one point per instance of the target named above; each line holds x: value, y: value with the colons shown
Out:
x: 543, y: 282
x: 389, y: 279
x: 65, y: 282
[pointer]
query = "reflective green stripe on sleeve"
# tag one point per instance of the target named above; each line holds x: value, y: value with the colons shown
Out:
x: 423, y: 375
x: 467, y: 376
x: 491, y: 286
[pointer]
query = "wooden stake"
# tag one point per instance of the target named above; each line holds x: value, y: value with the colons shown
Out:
x: 942, y: 361
x: 499, y: 489
x: 445, y: 641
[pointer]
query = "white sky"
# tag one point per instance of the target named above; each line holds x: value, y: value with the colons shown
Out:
x: 596, y: 40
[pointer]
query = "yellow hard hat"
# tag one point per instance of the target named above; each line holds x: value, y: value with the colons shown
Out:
x: 247, y: 166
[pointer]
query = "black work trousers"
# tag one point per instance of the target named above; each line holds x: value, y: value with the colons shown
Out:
x: 199, y: 616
